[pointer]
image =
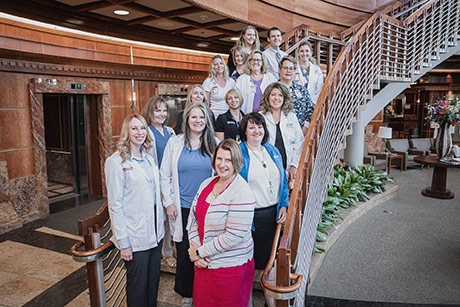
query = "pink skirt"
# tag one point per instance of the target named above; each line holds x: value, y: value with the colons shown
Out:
x: 229, y: 287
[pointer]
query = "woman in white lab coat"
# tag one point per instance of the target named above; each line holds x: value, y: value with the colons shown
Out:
x: 135, y: 209
x: 283, y: 127
x: 309, y: 74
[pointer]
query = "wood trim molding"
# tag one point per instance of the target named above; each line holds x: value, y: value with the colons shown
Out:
x: 86, y: 71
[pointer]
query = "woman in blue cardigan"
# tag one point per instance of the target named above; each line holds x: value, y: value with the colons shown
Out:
x: 263, y: 170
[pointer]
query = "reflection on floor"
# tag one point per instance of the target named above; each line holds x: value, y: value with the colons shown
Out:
x: 58, y: 189
x: 36, y: 268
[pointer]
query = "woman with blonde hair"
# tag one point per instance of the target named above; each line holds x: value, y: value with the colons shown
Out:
x: 186, y: 163
x: 156, y: 113
x: 240, y: 56
x: 195, y: 95
x: 284, y: 131
x: 227, y: 124
x: 217, y: 85
x: 253, y: 82
x: 219, y: 229
x: 309, y: 74
x: 135, y: 209
x: 249, y: 40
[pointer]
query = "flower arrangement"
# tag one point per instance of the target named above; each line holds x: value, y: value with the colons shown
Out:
x: 444, y: 112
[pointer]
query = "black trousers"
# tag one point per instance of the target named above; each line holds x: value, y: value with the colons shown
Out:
x: 185, y: 270
x: 143, y: 277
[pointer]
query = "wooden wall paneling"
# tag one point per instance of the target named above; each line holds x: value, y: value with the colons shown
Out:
x: 146, y: 89
x: 94, y: 161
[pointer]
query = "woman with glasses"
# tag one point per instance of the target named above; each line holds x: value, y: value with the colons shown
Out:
x: 254, y: 81
x: 301, y: 101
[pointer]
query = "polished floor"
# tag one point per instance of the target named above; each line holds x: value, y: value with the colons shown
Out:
x: 406, y: 250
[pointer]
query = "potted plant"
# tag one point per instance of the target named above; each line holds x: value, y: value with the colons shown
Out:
x: 444, y: 113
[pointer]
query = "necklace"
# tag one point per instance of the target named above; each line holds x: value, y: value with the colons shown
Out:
x: 260, y: 158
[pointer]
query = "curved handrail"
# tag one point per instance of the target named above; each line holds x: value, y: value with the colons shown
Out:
x: 76, y: 253
x: 303, y: 176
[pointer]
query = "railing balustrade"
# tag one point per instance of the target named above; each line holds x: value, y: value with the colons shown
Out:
x: 391, y: 46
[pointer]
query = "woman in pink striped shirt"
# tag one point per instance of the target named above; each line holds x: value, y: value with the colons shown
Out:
x: 219, y: 229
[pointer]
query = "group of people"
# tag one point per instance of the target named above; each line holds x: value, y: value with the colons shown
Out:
x: 219, y: 187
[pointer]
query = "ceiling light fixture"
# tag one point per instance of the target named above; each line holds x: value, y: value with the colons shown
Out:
x: 121, y: 12
x: 202, y: 44
x: 203, y: 17
x: 235, y: 38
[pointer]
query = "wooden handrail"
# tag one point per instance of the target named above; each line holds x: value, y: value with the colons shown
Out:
x: 95, y: 221
x: 303, y: 177
x: 75, y: 252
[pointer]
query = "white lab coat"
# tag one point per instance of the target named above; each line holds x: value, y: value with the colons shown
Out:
x: 169, y: 178
x: 247, y: 89
x: 131, y: 203
x: 292, y: 136
x: 315, y: 81
x: 153, y: 150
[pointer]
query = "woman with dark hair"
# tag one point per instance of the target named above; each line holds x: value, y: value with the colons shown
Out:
x: 219, y: 228
x: 263, y: 170
x: 249, y: 40
x: 217, y: 85
x: 195, y: 95
x: 301, y: 100
x: 186, y: 163
x: 155, y: 113
x: 309, y: 74
x: 240, y: 56
x: 227, y: 124
x: 136, y: 213
x: 284, y: 129
x: 254, y: 81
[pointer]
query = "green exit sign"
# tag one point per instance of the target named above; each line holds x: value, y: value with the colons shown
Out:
x: 75, y: 86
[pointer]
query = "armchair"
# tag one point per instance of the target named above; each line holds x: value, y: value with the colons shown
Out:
x: 425, y: 144
x: 379, y: 160
x: 401, y: 146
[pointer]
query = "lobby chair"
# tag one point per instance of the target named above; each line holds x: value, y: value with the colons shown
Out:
x: 401, y: 146
x: 379, y: 160
x: 424, y: 144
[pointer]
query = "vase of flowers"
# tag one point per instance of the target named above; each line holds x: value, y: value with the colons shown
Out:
x: 444, y: 113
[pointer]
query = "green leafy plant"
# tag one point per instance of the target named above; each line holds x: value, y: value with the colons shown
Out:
x: 348, y: 186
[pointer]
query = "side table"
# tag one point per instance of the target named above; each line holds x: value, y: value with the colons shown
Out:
x: 392, y: 157
x: 439, y: 181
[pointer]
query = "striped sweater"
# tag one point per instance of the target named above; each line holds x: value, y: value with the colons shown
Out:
x: 227, y: 238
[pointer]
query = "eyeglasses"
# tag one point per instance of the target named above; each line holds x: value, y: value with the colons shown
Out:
x: 288, y: 68
x: 255, y: 60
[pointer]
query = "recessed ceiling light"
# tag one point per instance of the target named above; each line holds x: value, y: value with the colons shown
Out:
x: 203, y: 17
x: 202, y: 44
x: 75, y: 21
x: 235, y: 38
x: 121, y: 12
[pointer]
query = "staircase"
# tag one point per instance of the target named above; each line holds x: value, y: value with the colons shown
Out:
x: 382, y: 56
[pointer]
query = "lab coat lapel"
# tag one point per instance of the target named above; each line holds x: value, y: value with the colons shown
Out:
x: 139, y: 168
